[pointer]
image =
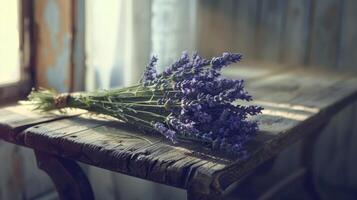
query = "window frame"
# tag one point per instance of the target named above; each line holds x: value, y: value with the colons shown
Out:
x: 14, y: 91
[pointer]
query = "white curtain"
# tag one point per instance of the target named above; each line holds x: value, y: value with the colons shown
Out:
x: 173, y: 26
x: 122, y: 34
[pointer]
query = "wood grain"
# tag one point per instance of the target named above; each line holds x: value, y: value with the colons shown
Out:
x: 296, y: 32
x: 347, y: 55
x: 54, y: 36
x: 14, y: 119
x: 244, y: 33
x: 270, y: 30
x: 215, y: 27
x: 325, y: 33
x: 296, y: 103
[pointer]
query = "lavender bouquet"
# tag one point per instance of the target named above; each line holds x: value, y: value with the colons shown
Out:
x: 188, y: 101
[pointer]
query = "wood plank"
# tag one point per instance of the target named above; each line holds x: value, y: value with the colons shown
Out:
x: 216, y: 27
x: 118, y: 147
x: 20, y: 168
x: 203, y: 31
x: 53, y: 44
x: 14, y: 119
x: 251, y: 71
x: 245, y: 21
x: 325, y: 33
x: 78, y: 51
x: 299, y: 87
x: 347, y: 59
x: 296, y: 32
x: 270, y: 29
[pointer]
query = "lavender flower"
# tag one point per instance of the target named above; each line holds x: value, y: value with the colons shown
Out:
x: 201, y: 103
x: 168, y: 133
x: 150, y: 72
x: 189, y: 100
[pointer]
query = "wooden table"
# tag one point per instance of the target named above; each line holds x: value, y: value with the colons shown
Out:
x: 297, y: 104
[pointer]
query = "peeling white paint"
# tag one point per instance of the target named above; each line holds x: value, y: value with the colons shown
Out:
x: 58, y: 72
x: 51, y: 16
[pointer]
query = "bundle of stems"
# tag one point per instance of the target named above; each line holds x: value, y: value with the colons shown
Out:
x: 189, y: 100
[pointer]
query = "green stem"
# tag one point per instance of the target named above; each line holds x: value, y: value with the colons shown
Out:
x: 128, y: 103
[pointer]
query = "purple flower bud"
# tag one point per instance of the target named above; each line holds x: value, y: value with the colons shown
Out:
x: 168, y: 133
x: 199, y: 102
x: 150, y: 72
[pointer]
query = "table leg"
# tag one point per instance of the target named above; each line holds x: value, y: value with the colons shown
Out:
x: 307, y: 161
x: 70, y: 181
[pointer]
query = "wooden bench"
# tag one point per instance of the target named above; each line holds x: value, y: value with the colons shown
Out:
x: 298, y: 103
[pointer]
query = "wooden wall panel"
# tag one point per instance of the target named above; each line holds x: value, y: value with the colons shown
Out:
x: 246, y: 15
x: 203, y: 28
x: 348, y: 44
x: 270, y: 29
x: 325, y: 33
x: 224, y: 26
x: 215, y: 27
x: 78, y: 47
x: 296, y: 32
x: 53, y: 19
x: 304, y: 32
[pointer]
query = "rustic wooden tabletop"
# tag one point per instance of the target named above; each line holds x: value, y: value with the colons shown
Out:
x: 296, y: 103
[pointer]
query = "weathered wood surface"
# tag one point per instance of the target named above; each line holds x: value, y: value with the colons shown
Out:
x: 325, y: 33
x: 347, y: 54
x: 54, y: 39
x: 296, y: 103
x: 270, y: 29
x: 245, y: 31
x: 214, y: 27
x: 15, y: 119
x: 296, y: 32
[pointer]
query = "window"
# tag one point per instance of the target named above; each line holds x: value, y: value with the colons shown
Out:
x: 15, y: 38
x: 9, y: 40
